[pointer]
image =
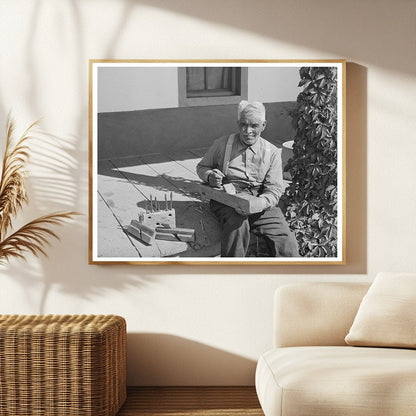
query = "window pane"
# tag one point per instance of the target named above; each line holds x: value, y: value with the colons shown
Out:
x: 195, y: 79
x: 212, y: 81
x: 218, y: 78
x: 212, y: 85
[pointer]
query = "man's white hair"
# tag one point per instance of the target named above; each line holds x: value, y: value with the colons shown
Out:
x: 251, y: 107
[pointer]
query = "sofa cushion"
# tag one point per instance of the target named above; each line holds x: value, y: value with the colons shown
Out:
x: 315, y: 313
x: 342, y: 381
x: 387, y: 314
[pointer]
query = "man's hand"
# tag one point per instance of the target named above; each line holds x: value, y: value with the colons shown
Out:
x: 215, y: 178
x: 265, y: 203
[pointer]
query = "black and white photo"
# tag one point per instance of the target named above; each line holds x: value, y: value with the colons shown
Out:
x: 208, y: 162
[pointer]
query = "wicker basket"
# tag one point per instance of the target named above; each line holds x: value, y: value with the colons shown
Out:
x: 71, y: 365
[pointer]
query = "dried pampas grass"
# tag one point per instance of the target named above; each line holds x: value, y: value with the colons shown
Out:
x: 35, y: 235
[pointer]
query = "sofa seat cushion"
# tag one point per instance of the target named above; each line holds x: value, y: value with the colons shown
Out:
x: 342, y: 380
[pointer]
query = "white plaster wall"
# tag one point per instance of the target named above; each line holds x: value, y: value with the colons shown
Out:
x: 201, y: 324
x: 273, y: 84
x: 127, y: 88
x: 123, y: 87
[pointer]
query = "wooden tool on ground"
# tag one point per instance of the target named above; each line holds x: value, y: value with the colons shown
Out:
x: 175, y: 234
x: 159, y: 224
x: 141, y: 231
x: 158, y: 213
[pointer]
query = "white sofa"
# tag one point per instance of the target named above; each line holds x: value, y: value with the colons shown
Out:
x: 311, y: 371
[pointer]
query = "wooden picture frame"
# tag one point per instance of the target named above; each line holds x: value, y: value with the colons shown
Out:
x: 151, y: 122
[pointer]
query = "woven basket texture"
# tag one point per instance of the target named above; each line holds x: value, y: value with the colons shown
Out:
x: 53, y: 365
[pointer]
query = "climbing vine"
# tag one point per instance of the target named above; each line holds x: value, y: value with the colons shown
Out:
x: 311, y: 198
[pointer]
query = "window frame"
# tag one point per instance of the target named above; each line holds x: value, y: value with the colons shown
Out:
x: 185, y: 101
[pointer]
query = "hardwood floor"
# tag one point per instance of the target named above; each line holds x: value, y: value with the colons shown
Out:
x: 191, y: 401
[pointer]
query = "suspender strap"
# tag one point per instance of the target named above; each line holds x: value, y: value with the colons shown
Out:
x: 267, y: 152
x: 227, y: 153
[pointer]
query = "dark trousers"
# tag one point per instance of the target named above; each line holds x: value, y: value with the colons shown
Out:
x: 270, y: 224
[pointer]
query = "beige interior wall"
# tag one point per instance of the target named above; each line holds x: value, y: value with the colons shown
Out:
x: 200, y: 324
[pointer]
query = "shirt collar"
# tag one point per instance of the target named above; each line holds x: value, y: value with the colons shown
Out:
x: 255, y: 148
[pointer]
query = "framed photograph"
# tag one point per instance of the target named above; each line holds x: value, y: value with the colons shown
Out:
x: 217, y: 162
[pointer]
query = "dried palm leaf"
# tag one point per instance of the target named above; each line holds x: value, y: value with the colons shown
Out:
x: 12, y: 183
x: 32, y: 237
x: 35, y: 235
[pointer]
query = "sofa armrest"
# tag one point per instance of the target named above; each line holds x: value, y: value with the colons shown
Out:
x: 308, y: 314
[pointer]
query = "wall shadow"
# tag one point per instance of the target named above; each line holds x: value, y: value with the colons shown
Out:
x: 126, y: 133
x: 53, y: 187
x: 337, y: 28
x: 169, y: 360
x: 356, y: 168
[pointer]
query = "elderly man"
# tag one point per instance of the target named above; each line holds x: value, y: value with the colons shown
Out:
x: 252, y: 165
